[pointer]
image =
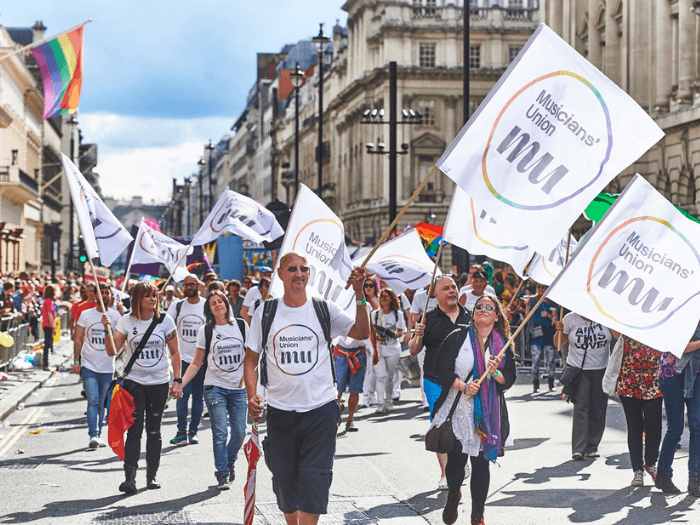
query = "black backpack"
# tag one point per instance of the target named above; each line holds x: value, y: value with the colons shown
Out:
x: 268, y: 315
x: 209, y: 333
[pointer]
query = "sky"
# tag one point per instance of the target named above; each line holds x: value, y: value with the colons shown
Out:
x: 161, y: 78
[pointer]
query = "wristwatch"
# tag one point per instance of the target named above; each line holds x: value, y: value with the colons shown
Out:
x: 177, y: 380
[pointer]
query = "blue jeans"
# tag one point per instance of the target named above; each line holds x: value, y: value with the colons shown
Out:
x: 195, y: 389
x: 672, y: 389
x: 550, y: 356
x: 226, y: 407
x: 96, y: 385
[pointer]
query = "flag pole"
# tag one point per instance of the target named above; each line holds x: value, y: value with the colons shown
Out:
x: 432, y: 285
x: 108, y: 331
x: 396, y: 220
x: 131, y: 259
x: 38, y: 43
x: 517, y: 291
x: 178, y: 265
x: 566, y: 261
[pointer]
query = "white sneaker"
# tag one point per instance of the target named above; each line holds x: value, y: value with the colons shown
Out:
x: 365, y: 401
x: 388, y: 405
x: 373, y: 399
x: 381, y: 409
x: 101, y: 443
x: 94, y: 442
x: 442, y: 484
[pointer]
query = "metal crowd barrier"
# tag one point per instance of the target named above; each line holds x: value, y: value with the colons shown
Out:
x: 20, y: 334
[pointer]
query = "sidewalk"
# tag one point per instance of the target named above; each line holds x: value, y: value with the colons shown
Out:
x: 22, y: 383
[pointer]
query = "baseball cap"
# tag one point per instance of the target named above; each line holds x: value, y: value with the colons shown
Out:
x: 169, y: 288
x: 480, y: 274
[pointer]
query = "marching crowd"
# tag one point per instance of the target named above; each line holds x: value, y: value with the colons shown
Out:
x: 228, y: 346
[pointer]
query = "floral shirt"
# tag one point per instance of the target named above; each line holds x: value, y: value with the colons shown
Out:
x: 639, y: 371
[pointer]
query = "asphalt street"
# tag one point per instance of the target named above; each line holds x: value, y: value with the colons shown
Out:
x: 382, y: 474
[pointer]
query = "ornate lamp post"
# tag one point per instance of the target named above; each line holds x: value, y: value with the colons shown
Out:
x: 321, y: 42
x: 297, y: 77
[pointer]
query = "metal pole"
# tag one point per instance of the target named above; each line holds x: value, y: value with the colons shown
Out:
x: 211, y: 192
x: 70, y: 206
x: 466, y: 62
x: 201, y: 195
x: 320, y: 121
x: 296, y: 143
x: 392, y: 141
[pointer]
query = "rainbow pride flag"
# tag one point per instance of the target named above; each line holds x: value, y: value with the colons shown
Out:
x: 430, y: 235
x: 61, y: 64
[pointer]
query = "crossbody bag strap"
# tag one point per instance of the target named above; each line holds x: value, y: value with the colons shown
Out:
x: 456, y: 401
x: 156, y: 321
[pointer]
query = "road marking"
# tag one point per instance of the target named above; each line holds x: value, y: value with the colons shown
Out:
x: 17, y: 432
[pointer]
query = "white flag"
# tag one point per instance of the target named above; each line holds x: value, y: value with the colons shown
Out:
x: 545, y: 269
x: 402, y: 263
x: 317, y: 233
x: 549, y: 137
x: 241, y: 216
x: 152, y: 246
x: 103, y: 235
x: 469, y: 226
x: 638, y: 272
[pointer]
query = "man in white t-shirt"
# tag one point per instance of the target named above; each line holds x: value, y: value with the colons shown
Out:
x: 188, y: 314
x: 479, y: 283
x: 93, y: 364
x: 255, y: 295
x: 303, y: 414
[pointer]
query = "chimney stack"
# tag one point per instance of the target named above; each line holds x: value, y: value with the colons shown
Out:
x: 38, y: 31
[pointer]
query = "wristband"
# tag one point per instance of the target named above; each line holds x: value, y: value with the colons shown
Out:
x: 177, y: 380
x: 465, y: 389
x: 495, y: 375
x: 360, y: 302
x: 76, y: 362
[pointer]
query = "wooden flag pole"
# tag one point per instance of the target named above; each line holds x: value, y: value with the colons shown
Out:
x: 38, y: 43
x: 517, y: 291
x: 432, y: 285
x: 177, y: 266
x: 561, y: 308
x: 108, y: 331
x: 396, y: 220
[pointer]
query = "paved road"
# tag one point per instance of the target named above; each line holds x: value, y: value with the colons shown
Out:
x: 382, y: 473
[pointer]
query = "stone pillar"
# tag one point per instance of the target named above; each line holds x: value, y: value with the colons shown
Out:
x: 662, y: 54
x: 687, y: 45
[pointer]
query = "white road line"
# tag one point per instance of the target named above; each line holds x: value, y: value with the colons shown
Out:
x: 17, y: 432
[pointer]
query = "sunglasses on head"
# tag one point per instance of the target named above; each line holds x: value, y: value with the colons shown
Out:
x: 489, y: 307
x: 293, y: 269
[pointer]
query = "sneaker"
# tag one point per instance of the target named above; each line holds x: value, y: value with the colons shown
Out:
x: 101, y: 443
x: 535, y: 390
x: 381, y: 409
x: 223, y: 483
x: 179, y: 439
x: 638, y: 480
x: 694, y: 488
x: 372, y: 399
x: 365, y: 401
x: 651, y: 470
x: 442, y: 484
x: 666, y: 485
x: 450, y: 512
x: 388, y: 405
x: 94, y: 443
x: 192, y: 438
x: 592, y: 454
x: 577, y: 456
x: 231, y: 473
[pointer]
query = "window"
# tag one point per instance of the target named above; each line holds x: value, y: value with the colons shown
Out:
x: 426, y: 55
x: 427, y: 108
x: 474, y: 57
x: 516, y: 4
x: 15, y: 157
x: 513, y: 52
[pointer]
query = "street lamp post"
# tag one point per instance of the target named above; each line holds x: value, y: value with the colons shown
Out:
x: 201, y: 163
x: 321, y: 41
x: 188, y: 182
x: 297, y: 77
x: 72, y: 122
x: 210, y: 149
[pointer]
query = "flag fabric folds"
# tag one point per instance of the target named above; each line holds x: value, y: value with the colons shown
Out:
x: 470, y: 227
x: 60, y: 62
x: 241, y: 216
x: 430, y: 236
x: 638, y: 272
x: 317, y: 233
x: 252, y: 453
x: 152, y: 246
x: 601, y: 204
x: 103, y: 234
x: 120, y: 409
x: 545, y: 269
x: 402, y: 263
x: 549, y: 137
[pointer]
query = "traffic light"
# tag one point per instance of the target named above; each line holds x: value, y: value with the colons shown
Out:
x: 82, y: 257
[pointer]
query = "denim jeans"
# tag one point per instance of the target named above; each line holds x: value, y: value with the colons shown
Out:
x: 95, y: 385
x: 672, y: 389
x: 226, y: 407
x: 550, y: 357
x: 195, y: 390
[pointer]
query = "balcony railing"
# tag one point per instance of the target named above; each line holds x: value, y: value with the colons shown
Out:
x: 17, y: 181
x: 407, y: 14
x: 28, y: 181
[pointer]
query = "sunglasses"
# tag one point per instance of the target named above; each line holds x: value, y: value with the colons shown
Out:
x: 370, y: 285
x: 293, y: 269
x: 489, y: 307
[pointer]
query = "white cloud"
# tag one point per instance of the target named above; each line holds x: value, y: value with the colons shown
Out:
x: 140, y: 156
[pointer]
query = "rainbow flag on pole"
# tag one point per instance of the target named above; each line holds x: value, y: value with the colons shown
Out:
x: 61, y: 64
x: 430, y: 236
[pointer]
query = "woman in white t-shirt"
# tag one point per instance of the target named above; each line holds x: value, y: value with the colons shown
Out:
x: 589, y: 349
x: 224, y: 391
x: 148, y: 380
x: 388, y: 348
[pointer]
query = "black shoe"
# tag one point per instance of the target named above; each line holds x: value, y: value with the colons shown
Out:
x: 151, y: 482
x: 450, y: 512
x: 129, y: 484
x: 231, y: 473
x: 666, y: 485
x: 694, y: 488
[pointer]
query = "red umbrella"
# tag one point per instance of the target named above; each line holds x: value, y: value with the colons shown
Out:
x: 252, y: 454
x: 121, y: 416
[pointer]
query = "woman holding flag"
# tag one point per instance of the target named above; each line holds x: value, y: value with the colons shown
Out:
x: 148, y: 382
x: 480, y: 426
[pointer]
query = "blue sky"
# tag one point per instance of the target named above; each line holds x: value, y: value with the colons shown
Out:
x: 163, y: 77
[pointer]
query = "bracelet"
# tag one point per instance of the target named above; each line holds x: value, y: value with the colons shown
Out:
x: 360, y: 302
x: 76, y: 362
x: 495, y: 375
x: 465, y: 389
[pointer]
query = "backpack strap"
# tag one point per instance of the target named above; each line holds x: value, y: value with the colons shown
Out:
x: 324, y: 317
x: 268, y: 315
x: 208, y: 334
x: 178, y: 309
x: 241, y: 327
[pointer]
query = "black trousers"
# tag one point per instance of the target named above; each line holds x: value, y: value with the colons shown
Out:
x: 590, y: 407
x: 48, y: 344
x: 643, y: 415
x: 150, y: 403
x: 479, y: 483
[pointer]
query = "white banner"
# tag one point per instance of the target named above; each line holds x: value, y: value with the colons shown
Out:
x: 544, y: 270
x: 152, y: 246
x: 317, y: 233
x: 638, y: 272
x: 402, y: 263
x: 549, y: 137
x: 470, y: 227
x: 241, y: 216
x: 103, y: 235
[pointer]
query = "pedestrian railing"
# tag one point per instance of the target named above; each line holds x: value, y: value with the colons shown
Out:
x: 20, y: 334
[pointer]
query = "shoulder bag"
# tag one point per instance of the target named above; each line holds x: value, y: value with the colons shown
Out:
x: 571, y: 378
x: 441, y: 439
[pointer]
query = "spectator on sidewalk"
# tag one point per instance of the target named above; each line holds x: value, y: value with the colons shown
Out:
x: 48, y: 323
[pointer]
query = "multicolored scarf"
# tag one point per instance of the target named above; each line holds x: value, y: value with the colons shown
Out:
x: 487, y: 414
